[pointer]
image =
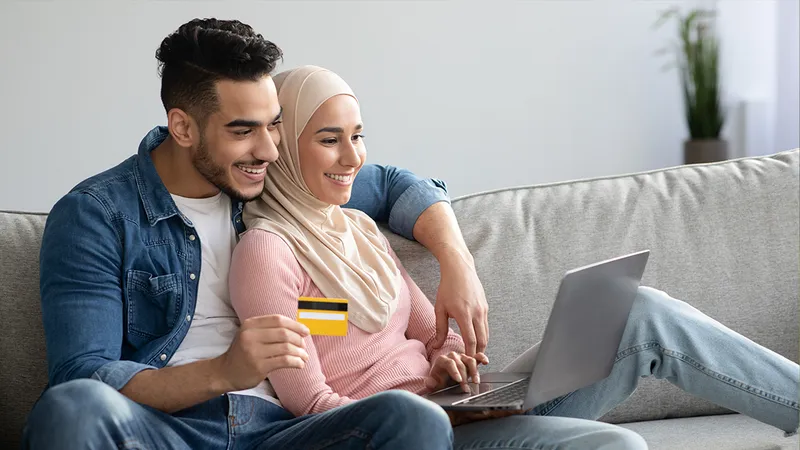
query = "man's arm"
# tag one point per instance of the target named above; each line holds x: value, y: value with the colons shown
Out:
x: 420, y: 209
x: 83, y: 318
x: 394, y: 196
x: 460, y: 293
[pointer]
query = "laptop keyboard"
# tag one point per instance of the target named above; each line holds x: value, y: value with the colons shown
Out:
x: 505, y: 395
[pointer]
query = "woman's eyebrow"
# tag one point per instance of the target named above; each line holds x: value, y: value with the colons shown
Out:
x: 359, y: 127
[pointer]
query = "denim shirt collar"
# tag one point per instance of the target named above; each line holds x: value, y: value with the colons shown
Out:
x: 156, y: 199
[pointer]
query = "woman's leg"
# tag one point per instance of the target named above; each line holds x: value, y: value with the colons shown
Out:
x: 537, y: 432
x: 670, y: 339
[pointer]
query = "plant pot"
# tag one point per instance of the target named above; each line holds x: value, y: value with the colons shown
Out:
x: 697, y: 151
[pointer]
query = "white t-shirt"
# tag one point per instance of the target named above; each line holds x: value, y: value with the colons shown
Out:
x: 214, y: 324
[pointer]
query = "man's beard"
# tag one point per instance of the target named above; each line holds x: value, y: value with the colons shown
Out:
x: 215, y: 174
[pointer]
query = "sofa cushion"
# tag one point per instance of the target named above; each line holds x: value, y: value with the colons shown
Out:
x: 23, y: 369
x: 723, y: 237
x: 731, y: 431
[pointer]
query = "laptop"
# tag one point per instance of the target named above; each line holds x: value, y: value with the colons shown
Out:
x: 578, y: 348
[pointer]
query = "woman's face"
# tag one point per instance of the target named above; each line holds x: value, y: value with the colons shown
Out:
x: 331, y: 149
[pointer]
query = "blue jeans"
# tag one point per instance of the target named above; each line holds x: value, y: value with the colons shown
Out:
x: 88, y: 414
x: 665, y: 338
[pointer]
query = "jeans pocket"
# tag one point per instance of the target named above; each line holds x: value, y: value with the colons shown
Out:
x: 152, y: 304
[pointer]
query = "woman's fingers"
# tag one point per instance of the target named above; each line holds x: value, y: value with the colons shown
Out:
x: 461, y: 368
x: 472, y: 368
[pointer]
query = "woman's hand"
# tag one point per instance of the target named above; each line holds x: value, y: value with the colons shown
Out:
x: 464, y: 417
x: 457, y: 367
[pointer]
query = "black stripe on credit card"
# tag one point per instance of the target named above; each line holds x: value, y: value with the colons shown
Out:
x: 324, y: 306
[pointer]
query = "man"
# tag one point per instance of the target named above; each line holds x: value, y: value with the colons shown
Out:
x: 144, y: 350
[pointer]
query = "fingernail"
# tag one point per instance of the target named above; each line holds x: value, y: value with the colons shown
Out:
x: 477, y: 378
x: 458, y: 378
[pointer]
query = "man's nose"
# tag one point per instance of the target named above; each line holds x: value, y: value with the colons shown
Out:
x: 267, y: 149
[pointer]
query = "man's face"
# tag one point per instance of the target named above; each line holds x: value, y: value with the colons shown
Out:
x: 241, y: 138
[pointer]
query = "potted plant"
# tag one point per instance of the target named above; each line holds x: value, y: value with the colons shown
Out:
x: 697, y: 61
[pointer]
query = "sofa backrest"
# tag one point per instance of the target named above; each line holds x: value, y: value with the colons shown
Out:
x: 723, y: 237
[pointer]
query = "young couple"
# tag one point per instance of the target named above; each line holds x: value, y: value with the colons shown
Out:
x: 169, y: 284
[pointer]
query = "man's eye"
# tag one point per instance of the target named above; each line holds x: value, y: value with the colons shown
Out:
x: 274, y: 125
x: 358, y: 137
x: 243, y: 132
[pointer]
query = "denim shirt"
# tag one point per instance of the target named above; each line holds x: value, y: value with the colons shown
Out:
x: 119, y: 264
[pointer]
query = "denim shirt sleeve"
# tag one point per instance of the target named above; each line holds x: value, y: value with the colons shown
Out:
x: 395, y: 196
x: 81, y: 291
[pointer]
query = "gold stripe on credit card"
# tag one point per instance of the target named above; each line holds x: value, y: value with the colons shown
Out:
x: 323, y: 316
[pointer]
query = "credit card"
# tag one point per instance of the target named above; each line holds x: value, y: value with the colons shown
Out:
x: 323, y: 316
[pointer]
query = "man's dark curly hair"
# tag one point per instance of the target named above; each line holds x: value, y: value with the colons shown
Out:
x: 204, y: 51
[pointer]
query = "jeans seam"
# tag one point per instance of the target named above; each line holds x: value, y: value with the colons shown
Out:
x: 706, y: 371
x: 730, y: 381
x: 355, y: 432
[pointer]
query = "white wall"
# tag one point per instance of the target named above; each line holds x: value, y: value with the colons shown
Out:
x: 481, y: 96
x: 787, y: 133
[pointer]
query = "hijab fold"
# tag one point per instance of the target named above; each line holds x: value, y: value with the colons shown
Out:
x: 341, y: 249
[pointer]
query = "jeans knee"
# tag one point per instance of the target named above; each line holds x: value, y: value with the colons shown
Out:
x: 77, y: 408
x: 415, y: 414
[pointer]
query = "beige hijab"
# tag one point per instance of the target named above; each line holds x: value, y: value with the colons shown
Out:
x: 341, y: 249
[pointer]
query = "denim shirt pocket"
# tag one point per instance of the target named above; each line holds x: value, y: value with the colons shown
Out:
x: 153, y: 305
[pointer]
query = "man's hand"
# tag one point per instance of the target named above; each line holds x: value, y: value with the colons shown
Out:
x: 262, y: 344
x: 454, y: 366
x: 460, y: 293
x: 461, y: 297
x: 464, y: 417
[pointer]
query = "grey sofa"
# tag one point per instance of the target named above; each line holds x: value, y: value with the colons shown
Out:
x: 723, y: 237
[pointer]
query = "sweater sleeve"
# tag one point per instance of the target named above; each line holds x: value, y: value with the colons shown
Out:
x: 265, y: 278
x: 422, y: 322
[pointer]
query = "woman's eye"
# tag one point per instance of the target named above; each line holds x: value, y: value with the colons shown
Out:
x: 329, y: 141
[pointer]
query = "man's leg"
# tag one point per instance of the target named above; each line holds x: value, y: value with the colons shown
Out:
x: 90, y: 414
x: 670, y: 339
x: 386, y: 421
x: 537, y: 432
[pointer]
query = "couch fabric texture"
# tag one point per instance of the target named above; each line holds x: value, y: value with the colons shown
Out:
x: 723, y: 237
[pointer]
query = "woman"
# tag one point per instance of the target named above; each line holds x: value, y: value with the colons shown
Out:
x: 306, y: 245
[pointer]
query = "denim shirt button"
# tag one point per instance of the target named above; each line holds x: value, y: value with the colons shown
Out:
x: 188, y: 318
x: 191, y: 237
x: 192, y: 276
x: 163, y: 357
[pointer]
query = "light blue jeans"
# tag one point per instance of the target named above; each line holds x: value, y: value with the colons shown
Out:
x: 665, y: 338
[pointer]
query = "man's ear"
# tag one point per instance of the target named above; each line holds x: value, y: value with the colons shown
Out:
x: 182, y: 128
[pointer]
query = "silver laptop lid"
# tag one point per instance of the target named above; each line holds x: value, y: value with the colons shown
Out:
x: 583, y: 333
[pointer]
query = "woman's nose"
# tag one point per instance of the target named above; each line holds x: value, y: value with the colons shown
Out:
x: 349, y: 155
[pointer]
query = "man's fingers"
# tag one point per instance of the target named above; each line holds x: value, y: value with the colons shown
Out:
x: 481, y: 333
x: 276, y: 336
x: 276, y: 321
x: 283, y: 349
x: 284, y: 362
x: 441, y: 327
x: 467, y: 334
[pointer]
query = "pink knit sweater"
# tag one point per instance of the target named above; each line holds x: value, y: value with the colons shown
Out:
x: 266, y: 278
